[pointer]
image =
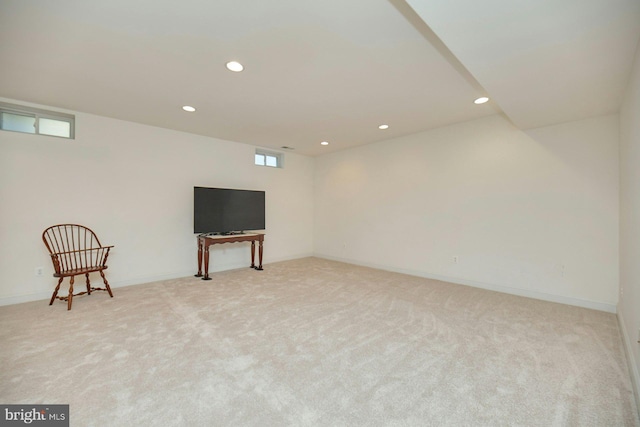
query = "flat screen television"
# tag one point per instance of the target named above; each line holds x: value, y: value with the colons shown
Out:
x: 225, y: 210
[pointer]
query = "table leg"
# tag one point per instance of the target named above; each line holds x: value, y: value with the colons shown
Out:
x: 206, y: 264
x: 253, y: 254
x: 199, y: 258
x: 259, y: 267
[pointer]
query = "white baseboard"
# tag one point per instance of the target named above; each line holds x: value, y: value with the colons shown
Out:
x: 114, y: 284
x: 633, y: 368
x: 610, y: 308
x: 46, y: 295
x: 148, y: 279
x: 19, y: 299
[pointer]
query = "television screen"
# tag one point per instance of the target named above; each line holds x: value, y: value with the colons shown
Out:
x: 225, y: 210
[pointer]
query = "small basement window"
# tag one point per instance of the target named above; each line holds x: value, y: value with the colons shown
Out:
x: 268, y: 158
x: 18, y: 118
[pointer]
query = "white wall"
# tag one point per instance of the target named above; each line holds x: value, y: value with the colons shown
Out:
x: 133, y: 185
x: 531, y: 213
x: 629, y: 306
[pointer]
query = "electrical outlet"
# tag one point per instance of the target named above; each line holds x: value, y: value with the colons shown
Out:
x: 455, y: 259
x: 39, y: 271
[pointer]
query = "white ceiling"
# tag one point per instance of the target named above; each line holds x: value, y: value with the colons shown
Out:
x: 319, y: 70
x: 542, y: 61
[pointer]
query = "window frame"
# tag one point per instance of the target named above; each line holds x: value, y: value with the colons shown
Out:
x: 37, y: 114
x: 267, y: 153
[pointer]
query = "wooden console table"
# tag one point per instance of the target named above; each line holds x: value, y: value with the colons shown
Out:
x: 205, y: 241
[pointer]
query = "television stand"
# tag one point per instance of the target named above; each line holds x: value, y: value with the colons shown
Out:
x: 205, y: 241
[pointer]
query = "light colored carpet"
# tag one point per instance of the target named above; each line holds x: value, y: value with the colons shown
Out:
x: 312, y: 342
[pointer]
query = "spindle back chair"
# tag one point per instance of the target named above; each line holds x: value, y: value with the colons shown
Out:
x: 75, y: 250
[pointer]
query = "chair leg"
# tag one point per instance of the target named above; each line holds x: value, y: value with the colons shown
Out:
x: 106, y: 284
x: 88, y: 284
x: 55, y: 293
x: 70, y: 297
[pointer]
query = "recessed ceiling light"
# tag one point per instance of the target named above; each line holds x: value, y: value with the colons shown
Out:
x: 235, y: 66
x: 383, y: 127
x: 324, y: 143
x: 189, y: 108
x: 481, y: 100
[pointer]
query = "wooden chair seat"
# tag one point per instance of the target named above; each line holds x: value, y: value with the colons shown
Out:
x: 75, y: 250
x: 78, y: 271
